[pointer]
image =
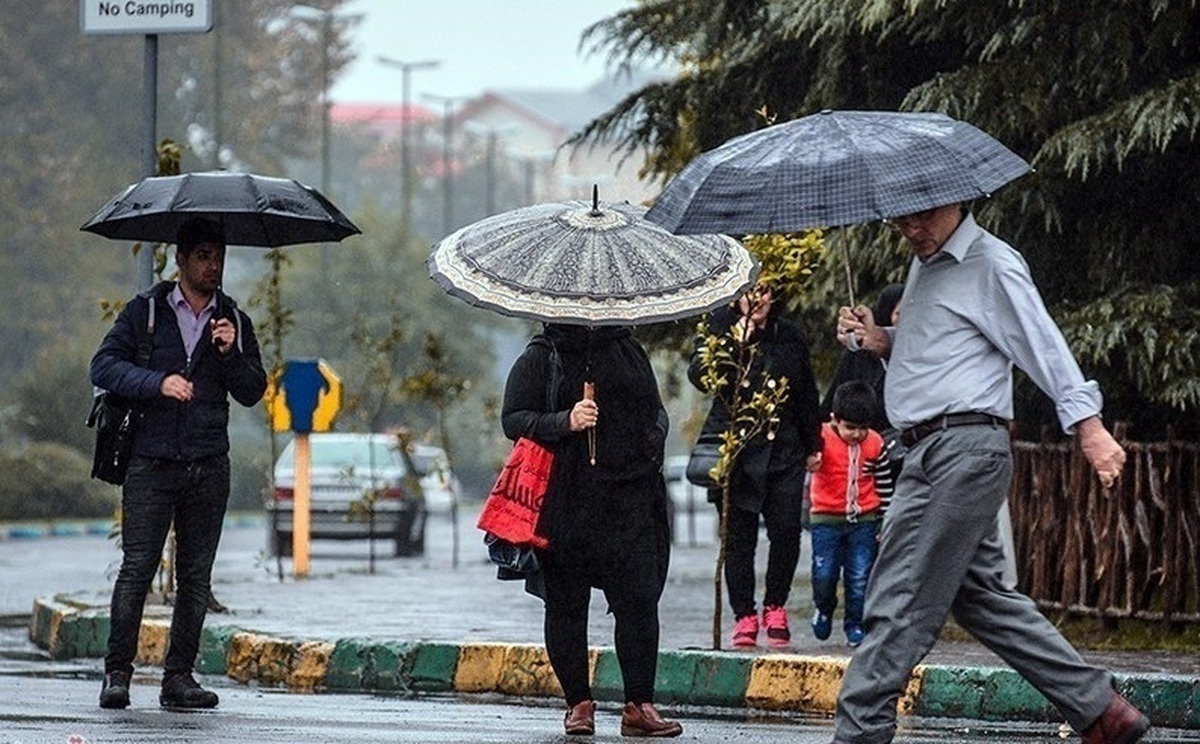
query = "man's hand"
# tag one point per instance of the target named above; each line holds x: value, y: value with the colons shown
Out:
x: 223, y: 334
x: 177, y: 387
x: 856, y: 329
x: 1102, y: 451
x: 813, y: 462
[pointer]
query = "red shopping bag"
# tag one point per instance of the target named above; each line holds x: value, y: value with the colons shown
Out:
x: 515, y: 502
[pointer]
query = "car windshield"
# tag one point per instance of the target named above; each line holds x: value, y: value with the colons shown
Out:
x: 347, y: 453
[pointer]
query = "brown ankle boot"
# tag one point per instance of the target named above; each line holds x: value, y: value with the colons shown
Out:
x: 641, y: 719
x: 581, y: 719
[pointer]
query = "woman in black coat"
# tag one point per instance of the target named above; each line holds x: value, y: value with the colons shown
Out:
x: 767, y: 480
x: 605, y: 511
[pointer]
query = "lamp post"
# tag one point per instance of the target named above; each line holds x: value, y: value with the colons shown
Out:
x: 406, y: 69
x: 491, y: 134
x: 326, y: 19
x: 447, y: 176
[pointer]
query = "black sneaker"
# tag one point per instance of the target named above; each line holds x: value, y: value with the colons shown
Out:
x: 181, y: 691
x: 114, y: 692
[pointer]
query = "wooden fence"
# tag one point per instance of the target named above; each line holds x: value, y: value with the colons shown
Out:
x: 1128, y: 552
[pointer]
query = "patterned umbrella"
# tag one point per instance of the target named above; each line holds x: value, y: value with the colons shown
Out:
x: 589, y: 264
x: 252, y: 210
x: 832, y: 169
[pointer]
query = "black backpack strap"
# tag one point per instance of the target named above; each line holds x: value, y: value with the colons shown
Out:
x: 555, y: 373
x: 146, y: 342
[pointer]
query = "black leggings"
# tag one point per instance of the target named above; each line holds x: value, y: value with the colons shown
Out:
x: 632, y: 590
x: 781, y: 511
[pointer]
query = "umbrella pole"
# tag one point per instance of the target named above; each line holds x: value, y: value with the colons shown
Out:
x: 846, y: 256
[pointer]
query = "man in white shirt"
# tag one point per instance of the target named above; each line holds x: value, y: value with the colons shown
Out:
x: 971, y: 312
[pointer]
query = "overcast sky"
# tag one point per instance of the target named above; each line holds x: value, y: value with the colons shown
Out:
x: 480, y: 44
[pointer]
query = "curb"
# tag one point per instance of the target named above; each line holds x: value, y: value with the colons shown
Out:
x: 773, y: 682
x: 78, y: 527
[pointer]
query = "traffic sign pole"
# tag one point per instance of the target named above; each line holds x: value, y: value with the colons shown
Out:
x: 303, y: 397
x: 302, y: 507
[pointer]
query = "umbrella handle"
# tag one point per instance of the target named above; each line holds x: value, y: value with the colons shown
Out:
x: 589, y: 393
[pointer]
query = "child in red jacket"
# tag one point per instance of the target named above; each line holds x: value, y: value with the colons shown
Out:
x: 851, y: 483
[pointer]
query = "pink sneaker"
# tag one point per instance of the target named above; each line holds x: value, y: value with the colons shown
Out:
x: 745, y: 633
x: 776, y: 622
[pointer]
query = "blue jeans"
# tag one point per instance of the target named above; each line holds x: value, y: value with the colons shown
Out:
x: 842, y: 550
x: 157, y: 492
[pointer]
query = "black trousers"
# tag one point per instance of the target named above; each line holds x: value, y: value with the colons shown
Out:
x: 193, y: 495
x: 632, y: 586
x: 781, y: 511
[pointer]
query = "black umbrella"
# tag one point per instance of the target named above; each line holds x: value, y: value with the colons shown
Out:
x: 252, y: 210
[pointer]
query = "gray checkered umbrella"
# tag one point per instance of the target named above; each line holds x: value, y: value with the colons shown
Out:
x: 832, y: 169
x: 589, y: 264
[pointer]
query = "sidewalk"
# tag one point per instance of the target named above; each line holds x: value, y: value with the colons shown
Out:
x: 422, y: 625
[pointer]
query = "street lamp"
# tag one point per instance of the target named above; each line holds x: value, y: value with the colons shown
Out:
x: 447, y: 177
x: 531, y: 164
x: 406, y: 69
x: 492, y: 134
x: 326, y: 19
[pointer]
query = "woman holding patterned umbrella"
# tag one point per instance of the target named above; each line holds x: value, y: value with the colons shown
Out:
x: 605, y: 512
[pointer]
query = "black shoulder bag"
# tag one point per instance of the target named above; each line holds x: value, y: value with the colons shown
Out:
x: 115, y: 419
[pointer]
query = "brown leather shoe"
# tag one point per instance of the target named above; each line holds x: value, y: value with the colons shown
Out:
x: 1120, y: 723
x: 581, y: 719
x: 641, y: 719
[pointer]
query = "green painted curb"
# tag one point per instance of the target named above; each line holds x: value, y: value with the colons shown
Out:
x: 606, y: 680
x: 215, y: 641
x: 67, y: 629
x: 84, y: 635
x: 1167, y: 700
x: 676, y: 677
x: 433, y: 666
x: 346, y: 664
x: 721, y: 679
x: 386, y: 666
x: 984, y: 694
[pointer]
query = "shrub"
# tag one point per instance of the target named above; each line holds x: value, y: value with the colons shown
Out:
x: 47, y: 480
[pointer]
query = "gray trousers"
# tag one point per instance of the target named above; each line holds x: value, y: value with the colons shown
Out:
x: 940, y: 553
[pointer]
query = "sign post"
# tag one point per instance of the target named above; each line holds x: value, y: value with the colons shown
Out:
x: 303, y: 397
x: 151, y: 19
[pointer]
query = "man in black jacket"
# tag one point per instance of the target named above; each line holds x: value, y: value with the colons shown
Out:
x: 202, y: 351
x: 767, y: 481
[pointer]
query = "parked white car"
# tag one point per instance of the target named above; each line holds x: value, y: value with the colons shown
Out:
x: 345, y: 469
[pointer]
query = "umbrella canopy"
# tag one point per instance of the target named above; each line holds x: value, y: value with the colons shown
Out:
x: 595, y: 265
x: 832, y: 169
x: 252, y: 210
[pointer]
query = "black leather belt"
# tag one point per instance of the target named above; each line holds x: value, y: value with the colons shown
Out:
x: 914, y: 434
